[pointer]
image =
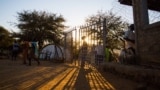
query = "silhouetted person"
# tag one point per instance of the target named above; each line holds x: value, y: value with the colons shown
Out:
x: 25, y: 47
x: 15, y: 50
x: 127, y: 55
x: 83, y: 52
x: 130, y: 38
x: 107, y: 54
x: 32, y: 54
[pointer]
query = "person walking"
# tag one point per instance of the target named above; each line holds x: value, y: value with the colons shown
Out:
x: 15, y: 50
x: 83, y: 54
x: 32, y: 53
x: 25, y: 47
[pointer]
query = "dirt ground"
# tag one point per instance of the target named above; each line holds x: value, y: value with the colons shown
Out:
x: 55, y: 76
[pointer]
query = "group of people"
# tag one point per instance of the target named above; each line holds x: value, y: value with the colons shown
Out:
x: 102, y: 54
x: 94, y: 55
x: 127, y: 54
x: 29, y: 51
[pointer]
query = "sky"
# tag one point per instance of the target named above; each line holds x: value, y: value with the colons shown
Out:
x: 74, y: 11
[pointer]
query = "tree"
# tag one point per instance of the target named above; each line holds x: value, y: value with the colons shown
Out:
x: 115, y: 27
x: 5, y: 39
x: 40, y: 26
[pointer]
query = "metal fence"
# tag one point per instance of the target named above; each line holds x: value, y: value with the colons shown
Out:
x: 91, y: 34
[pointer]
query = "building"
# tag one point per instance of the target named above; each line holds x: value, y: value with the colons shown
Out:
x: 147, y: 35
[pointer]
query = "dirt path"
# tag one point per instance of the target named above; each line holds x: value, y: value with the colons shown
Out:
x: 52, y: 76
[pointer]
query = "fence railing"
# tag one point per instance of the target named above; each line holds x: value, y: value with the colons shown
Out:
x: 91, y: 34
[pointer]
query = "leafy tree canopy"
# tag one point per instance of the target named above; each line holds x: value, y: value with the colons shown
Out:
x: 5, y: 39
x: 40, y: 26
x: 115, y: 27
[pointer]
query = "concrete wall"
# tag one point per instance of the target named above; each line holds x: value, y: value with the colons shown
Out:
x: 147, y: 35
x: 149, y: 44
x: 150, y: 76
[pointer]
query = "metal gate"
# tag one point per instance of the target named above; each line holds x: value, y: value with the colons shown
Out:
x: 92, y: 34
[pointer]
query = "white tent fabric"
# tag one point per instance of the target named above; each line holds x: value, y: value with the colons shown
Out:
x: 49, y: 51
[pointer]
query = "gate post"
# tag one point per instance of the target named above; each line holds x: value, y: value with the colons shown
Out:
x: 104, y: 38
x: 65, y: 46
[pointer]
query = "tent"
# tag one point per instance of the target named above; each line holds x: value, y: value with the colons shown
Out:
x: 52, y: 52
